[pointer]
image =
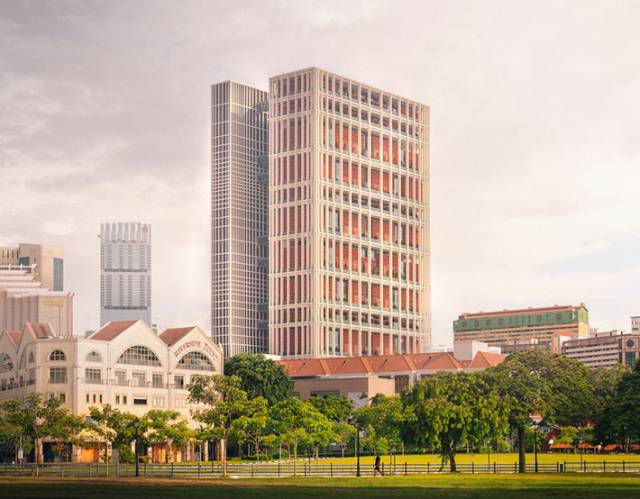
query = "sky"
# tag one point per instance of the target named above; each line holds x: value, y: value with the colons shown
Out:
x: 535, y: 128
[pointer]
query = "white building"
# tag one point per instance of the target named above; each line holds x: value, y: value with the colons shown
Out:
x: 124, y: 364
x: 125, y: 272
x: 25, y: 299
x: 604, y: 349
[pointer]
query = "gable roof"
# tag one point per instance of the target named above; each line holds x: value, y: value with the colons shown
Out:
x: 377, y: 364
x: 39, y: 330
x: 173, y: 335
x: 111, y: 330
x: 14, y: 336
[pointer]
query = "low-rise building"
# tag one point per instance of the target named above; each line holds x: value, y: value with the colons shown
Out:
x: 361, y: 378
x: 523, y: 329
x: 604, y: 349
x: 25, y: 299
x: 46, y: 260
x: 124, y: 364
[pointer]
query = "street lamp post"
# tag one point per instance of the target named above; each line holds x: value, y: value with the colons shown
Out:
x: 536, y: 418
x: 357, y: 451
x: 136, y: 423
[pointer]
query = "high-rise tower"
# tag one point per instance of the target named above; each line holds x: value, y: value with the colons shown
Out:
x: 125, y: 272
x: 349, y: 269
x: 239, y: 218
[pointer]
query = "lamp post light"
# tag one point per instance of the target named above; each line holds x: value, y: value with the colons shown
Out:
x: 136, y: 424
x: 536, y: 418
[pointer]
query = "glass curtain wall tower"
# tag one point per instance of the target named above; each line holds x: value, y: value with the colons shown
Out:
x: 349, y: 270
x: 239, y: 218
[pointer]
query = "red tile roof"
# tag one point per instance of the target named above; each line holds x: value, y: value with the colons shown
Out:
x: 172, y: 336
x: 39, y: 330
x: 14, y: 336
x: 376, y: 364
x: 112, y: 329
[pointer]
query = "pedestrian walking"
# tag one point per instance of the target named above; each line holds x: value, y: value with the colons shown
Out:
x: 376, y: 467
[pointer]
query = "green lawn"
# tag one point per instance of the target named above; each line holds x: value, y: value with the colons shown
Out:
x: 566, y: 485
x: 506, y: 458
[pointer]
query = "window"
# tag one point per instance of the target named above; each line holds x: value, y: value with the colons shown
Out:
x: 630, y: 343
x: 57, y: 355
x: 94, y: 356
x: 630, y: 358
x: 139, y: 356
x: 31, y: 358
x: 157, y: 380
x: 62, y: 397
x: 124, y: 399
x: 139, y: 379
x: 57, y: 375
x: 179, y: 381
x: 196, y: 361
x: 92, y: 376
x: 121, y: 378
x: 5, y: 363
x: 140, y: 401
x: 117, y: 399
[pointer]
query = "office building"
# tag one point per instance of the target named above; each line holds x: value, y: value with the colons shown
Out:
x: 45, y: 260
x: 239, y: 218
x: 348, y: 218
x: 523, y: 329
x: 124, y: 365
x: 605, y: 349
x: 125, y: 272
x: 635, y: 324
x: 24, y: 299
x: 361, y: 378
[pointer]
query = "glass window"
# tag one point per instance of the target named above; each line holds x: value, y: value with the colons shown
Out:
x: 139, y: 356
x: 121, y: 378
x: 92, y: 376
x: 57, y: 355
x: 94, y: 357
x: 57, y: 375
x: 196, y: 361
x: 179, y: 381
x: 140, y: 401
x: 5, y: 363
x: 139, y: 379
x: 630, y: 358
x: 157, y: 380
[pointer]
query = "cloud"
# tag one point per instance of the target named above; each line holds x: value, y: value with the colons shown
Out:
x: 104, y: 115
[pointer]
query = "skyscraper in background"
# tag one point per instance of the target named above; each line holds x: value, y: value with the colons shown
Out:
x: 125, y: 272
x: 239, y: 218
x: 349, y: 240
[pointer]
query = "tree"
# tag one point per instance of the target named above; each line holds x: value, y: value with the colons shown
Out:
x: 117, y: 428
x: 224, y: 401
x: 345, y: 433
x: 166, y: 427
x: 260, y: 377
x: 604, y: 383
x: 251, y: 427
x: 36, y: 419
x: 382, y: 420
x: 620, y: 421
x: 453, y: 409
x: 336, y: 409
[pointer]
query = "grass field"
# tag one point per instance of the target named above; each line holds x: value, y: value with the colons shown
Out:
x: 567, y: 485
x: 507, y: 458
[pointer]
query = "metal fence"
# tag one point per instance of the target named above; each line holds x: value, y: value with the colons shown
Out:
x: 291, y: 469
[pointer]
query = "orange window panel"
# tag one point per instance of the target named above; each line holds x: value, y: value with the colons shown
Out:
x: 394, y: 265
x: 354, y: 258
x: 386, y: 183
x: 385, y: 149
x: 403, y: 299
x: 375, y: 146
x: 355, y: 141
x: 355, y: 224
x: 410, y: 155
x: 375, y: 228
x: 337, y: 136
x: 385, y: 264
x: 345, y: 256
x: 375, y: 180
x: 394, y: 152
x: 355, y: 177
x: 386, y: 297
x: 345, y: 138
x: 337, y: 256
x: 375, y: 295
x: 330, y: 167
x: 386, y: 231
x: 345, y: 222
x: 355, y: 293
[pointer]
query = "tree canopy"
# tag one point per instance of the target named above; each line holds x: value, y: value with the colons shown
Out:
x: 260, y: 377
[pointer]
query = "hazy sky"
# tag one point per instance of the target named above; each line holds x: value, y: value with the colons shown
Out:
x: 535, y: 133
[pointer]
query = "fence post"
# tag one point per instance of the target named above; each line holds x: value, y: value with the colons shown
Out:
x: 623, y: 470
x: 494, y: 467
x: 515, y: 467
x: 472, y: 468
x: 62, y: 470
x: 428, y: 467
x: 331, y: 470
x: 294, y: 468
x: 604, y: 466
x: 557, y: 466
x: 278, y: 469
x: 405, y: 467
x: 171, y: 469
x: 382, y: 468
x: 198, y: 469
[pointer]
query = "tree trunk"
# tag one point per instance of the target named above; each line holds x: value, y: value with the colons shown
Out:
x: 35, y: 455
x: 452, y: 458
x: 522, y: 462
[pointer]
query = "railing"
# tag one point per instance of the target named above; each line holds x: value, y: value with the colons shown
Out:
x: 299, y: 468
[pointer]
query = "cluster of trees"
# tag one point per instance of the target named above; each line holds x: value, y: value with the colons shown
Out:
x: 252, y: 406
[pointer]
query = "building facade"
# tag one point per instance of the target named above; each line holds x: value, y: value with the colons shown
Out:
x: 635, y: 324
x: 45, y: 260
x: 361, y: 378
x: 124, y: 364
x: 605, y: 349
x: 348, y: 218
x: 24, y: 299
x: 125, y: 272
x: 239, y: 218
x: 531, y: 327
